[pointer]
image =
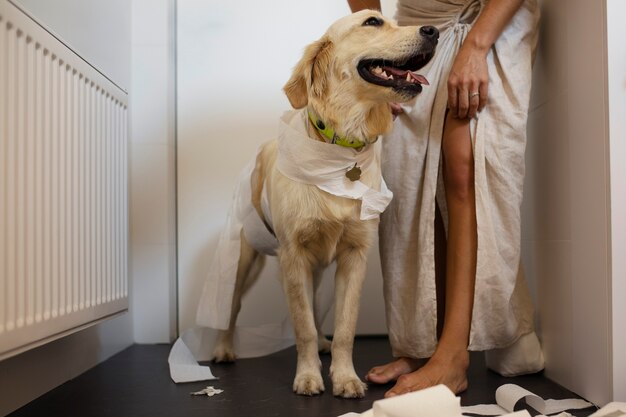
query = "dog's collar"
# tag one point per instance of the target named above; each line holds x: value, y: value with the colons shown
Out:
x: 329, y: 133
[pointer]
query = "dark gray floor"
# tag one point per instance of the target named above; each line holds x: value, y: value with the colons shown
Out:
x: 136, y: 383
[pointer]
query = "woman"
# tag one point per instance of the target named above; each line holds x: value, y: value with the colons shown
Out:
x: 455, y: 162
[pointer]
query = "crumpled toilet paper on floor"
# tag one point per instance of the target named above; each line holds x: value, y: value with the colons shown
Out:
x: 441, y: 402
x: 435, y: 401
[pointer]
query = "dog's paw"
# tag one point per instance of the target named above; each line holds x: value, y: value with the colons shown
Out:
x: 323, y: 345
x: 349, y: 387
x: 308, y: 384
x: 224, y: 354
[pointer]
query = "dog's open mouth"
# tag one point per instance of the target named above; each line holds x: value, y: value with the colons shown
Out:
x: 401, y: 75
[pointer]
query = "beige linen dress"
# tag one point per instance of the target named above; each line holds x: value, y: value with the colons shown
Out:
x: 411, y: 166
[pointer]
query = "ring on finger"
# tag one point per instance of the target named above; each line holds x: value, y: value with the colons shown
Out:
x: 474, y: 94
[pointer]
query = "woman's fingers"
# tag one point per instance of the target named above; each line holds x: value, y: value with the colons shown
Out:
x: 462, y: 100
x: 453, y: 104
x: 474, y: 101
x: 463, y: 103
x: 484, y: 93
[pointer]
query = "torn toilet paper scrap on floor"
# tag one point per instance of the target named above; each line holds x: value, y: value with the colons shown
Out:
x: 510, y: 394
x: 208, y: 391
x: 184, y: 367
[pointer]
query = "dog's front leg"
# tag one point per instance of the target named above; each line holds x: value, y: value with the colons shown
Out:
x: 297, y: 280
x: 351, y: 265
x: 323, y: 344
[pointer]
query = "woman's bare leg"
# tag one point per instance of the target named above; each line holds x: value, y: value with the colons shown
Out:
x: 449, y: 363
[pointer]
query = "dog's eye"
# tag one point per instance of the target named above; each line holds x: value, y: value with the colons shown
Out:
x: 373, y: 21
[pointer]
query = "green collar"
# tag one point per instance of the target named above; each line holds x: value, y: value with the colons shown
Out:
x: 329, y: 133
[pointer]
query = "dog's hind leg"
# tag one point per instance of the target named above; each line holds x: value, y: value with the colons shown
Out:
x: 351, y: 264
x: 323, y: 344
x: 297, y: 280
x: 248, y: 270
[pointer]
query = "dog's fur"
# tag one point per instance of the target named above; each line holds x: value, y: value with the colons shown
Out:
x: 314, y: 227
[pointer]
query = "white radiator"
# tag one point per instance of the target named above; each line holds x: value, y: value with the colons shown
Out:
x: 63, y: 188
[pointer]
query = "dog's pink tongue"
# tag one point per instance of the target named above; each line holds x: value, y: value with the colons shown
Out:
x: 402, y: 73
x: 419, y: 78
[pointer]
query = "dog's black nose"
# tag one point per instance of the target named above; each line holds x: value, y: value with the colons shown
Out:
x: 430, y: 32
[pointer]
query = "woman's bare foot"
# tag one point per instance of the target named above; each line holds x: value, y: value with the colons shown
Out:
x: 391, y: 371
x: 450, y: 370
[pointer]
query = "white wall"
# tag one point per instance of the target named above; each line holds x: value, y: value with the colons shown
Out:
x: 98, y: 31
x: 153, y: 171
x: 233, y: 59
x: 616, y: 33
x: 567, y: 202
x: 546, y: 217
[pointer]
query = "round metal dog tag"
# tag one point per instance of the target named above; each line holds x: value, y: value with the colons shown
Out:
x: 354, y: 173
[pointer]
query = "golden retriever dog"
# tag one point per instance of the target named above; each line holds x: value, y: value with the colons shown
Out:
x: 345, y: 81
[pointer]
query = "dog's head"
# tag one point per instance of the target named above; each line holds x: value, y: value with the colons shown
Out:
x: 363, y: 57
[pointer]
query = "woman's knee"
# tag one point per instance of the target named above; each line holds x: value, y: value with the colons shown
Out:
x: 459, y: 181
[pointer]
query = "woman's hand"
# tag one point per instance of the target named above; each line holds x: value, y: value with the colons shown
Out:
x: 468, y: 82
x: 468, y: 79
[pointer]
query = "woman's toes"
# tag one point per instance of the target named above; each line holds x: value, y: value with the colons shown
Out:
x: 391, y: 371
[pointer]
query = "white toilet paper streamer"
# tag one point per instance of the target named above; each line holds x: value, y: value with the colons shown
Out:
x: 196, y: 344
x: 440, y: 401
x: 184, y: 367
x: 509, y: 394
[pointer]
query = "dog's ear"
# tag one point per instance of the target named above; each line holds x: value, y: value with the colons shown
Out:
x: 310, y: 74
